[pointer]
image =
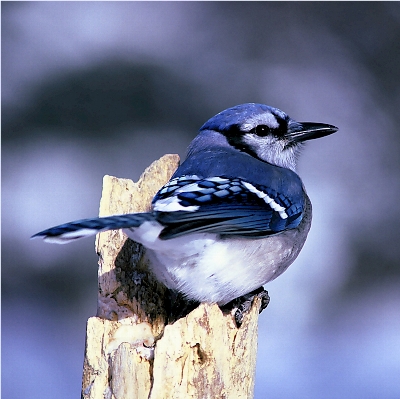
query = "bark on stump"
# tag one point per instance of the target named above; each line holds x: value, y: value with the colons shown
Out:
x: 130, y: 351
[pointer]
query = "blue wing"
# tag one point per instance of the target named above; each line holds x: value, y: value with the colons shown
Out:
x: 224, y: 206
x: 189, y: 204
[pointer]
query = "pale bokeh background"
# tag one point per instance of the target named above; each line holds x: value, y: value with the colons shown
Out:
x: 94, y: 88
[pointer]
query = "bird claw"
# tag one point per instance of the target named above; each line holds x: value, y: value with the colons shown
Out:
x: 239, y: 307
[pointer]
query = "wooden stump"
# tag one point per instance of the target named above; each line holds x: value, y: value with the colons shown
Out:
x: 130, y: 351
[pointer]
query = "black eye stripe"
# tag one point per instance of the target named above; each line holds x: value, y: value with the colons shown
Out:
x: 264, y: 130
x: 236, y: 137
x: 281, y: 130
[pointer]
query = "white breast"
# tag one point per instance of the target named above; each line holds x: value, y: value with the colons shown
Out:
x: 207, y: 268
x: 210, y: 270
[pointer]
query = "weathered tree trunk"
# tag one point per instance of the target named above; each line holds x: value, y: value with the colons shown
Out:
x: 130, y: 351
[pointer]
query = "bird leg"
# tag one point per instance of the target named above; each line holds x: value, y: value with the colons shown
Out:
x: 240, y: 306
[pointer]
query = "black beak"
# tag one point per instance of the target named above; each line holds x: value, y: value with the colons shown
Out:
x: 302, y: 131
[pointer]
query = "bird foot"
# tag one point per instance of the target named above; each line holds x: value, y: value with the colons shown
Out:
x: 180, y: 307
x: 240, y: 306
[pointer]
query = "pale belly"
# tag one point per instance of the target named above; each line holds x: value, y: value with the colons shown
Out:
x: 207, y: 268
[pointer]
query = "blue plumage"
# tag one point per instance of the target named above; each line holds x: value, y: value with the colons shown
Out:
x: 235, y: 202
x: 239, y: 115
x: 234, y: 215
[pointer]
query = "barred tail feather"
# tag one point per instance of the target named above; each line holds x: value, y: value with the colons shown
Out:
x: 68, y: 232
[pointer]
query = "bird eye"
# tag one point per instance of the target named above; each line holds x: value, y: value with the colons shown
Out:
x: 261, y: 130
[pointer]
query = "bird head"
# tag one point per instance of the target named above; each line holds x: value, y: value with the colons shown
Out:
x: 265, y: 132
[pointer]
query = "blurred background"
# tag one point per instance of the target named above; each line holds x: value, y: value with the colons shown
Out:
x: 95, y: 88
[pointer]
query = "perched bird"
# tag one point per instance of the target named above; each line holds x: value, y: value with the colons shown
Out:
x: 234, y: 215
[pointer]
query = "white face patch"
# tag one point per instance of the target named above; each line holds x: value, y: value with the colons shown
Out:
x: 267, y: 119
x: 273, y: 150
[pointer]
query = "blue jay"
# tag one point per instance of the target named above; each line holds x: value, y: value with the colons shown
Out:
x: 234, y: 215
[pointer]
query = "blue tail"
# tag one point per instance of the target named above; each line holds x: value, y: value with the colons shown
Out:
x: 68, y: 232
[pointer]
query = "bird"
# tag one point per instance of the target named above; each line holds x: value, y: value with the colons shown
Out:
x: 234, y: 215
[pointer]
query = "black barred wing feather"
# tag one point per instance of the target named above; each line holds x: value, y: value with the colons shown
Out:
x: 189, y: 204
x: 224, y: 206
